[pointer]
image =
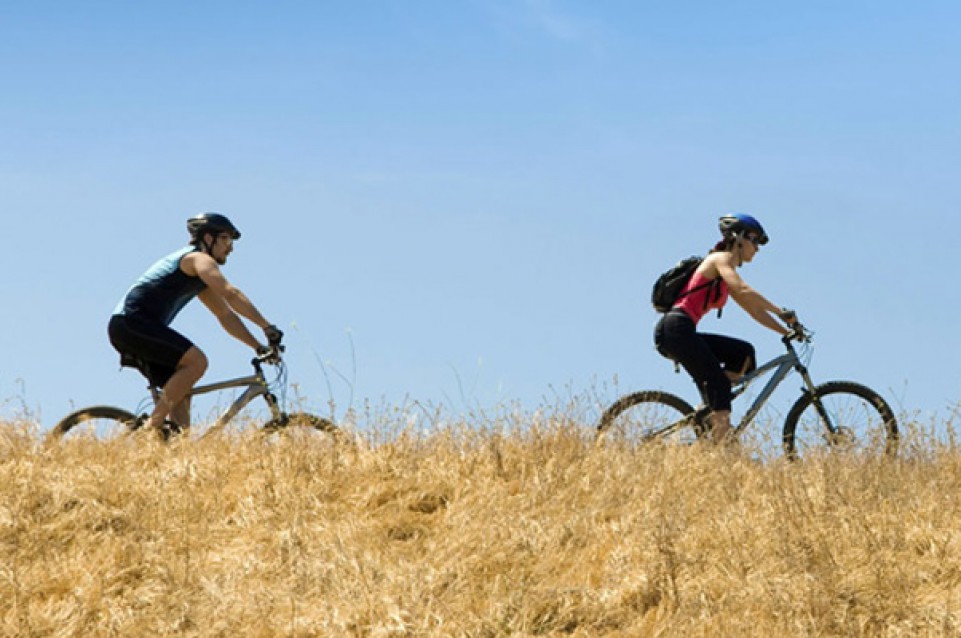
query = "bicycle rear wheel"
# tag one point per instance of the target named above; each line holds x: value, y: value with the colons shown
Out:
x: 840, y: 415
x: 647, y: 416
x: 99, y: 422
x: 303, y: 421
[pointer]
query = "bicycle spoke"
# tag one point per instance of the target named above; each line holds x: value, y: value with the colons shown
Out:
x: 97, y: 422
x: 846, y: 417
x: 647, y: 416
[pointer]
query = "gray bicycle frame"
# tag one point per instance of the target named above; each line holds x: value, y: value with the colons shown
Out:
x: 256, y: 386
x: 782, y: 366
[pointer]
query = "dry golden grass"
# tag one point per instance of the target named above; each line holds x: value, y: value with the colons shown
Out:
x: 521, y: 527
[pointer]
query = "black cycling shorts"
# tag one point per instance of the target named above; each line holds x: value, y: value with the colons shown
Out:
x: 706, y: 357
x: 157, y: 348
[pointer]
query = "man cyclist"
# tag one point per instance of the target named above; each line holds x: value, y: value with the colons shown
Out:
x: 714, y: 361
x: 140, y: 326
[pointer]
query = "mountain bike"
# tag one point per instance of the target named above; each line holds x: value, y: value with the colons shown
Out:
x: 836, y: 415
x: 104, y: 421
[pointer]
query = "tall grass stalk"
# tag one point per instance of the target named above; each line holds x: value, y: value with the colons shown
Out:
x: 502, y: 523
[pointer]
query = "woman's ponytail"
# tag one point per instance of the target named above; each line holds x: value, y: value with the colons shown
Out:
x: 724, y: 244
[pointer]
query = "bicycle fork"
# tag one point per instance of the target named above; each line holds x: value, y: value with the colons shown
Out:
x: 811, y: 389
x: 251, y: 393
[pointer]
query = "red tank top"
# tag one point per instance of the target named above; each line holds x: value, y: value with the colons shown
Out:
x: 698, y: 303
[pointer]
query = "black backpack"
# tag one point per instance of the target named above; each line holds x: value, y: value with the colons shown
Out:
x: 667, y: 288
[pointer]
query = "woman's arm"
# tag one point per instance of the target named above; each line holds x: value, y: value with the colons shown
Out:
x: 753, y: 302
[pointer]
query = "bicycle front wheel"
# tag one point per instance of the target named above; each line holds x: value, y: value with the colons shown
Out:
x: 303, y: 421
x: 841, y: 415
x: 647, y: 416
x: 99, y: 422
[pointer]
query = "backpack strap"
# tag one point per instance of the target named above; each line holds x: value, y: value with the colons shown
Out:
x: 716, y: 289
x: 695, y: 289
x: 714, y: 284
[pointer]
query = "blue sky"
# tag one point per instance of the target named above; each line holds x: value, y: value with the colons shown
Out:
x: 465, y: 203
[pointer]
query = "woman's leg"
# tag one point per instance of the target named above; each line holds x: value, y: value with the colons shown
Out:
x: 736, y: 356
x: 677, y: 339
x: 720, y: 425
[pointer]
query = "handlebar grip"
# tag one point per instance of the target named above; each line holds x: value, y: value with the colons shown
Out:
x: 797, y: 333
x: 787, y: 316
x: 274, y: 335
x: 269, y: 354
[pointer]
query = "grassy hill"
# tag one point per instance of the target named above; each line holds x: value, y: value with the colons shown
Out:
x: 521, y: 528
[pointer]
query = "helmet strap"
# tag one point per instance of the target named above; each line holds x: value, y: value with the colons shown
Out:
x: 208, y: 247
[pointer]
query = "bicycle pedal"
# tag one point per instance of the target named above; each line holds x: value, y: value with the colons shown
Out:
x: 701, y: 425
x: 169, y: 430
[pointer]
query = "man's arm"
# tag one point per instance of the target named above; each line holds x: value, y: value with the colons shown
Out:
x: 228, y: 318
x: 209, y: 272
x: 220, y: 295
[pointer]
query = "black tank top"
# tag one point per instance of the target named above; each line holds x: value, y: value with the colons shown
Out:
x: 162, y: 291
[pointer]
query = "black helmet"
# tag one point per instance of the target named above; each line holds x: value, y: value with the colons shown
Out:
x: 212, y: 223
x: 738, y: 223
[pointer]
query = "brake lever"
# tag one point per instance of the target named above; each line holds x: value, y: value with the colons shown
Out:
x: 270, y: 354
x: 797, y: 333
x: 802, y: 334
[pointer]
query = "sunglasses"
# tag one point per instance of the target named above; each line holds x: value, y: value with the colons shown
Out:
x: 754, y: 239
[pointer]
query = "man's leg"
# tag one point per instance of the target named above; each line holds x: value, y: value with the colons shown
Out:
x: 180, y: 414
x: 173, y: 399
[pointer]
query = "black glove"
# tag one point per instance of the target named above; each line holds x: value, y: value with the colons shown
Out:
x: 268, y: 354
x: 787, y: 316
x: 274, y: 335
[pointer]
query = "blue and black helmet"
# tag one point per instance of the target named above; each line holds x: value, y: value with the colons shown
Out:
x: 210, y: 223
x: 737, y: 223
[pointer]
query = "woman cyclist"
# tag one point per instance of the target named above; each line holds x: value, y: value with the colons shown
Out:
x: 715, y: 361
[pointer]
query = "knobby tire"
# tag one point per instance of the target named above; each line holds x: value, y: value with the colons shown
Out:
x: 104, y: 419
x: 647, y: 416
x: 297, y: 420
x: 864, y: 420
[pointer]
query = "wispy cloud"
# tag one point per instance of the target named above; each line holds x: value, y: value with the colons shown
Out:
x: 548, y: 18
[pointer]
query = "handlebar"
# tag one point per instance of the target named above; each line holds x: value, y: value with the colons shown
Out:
x: 268, y: 354
x: 797, y: 332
